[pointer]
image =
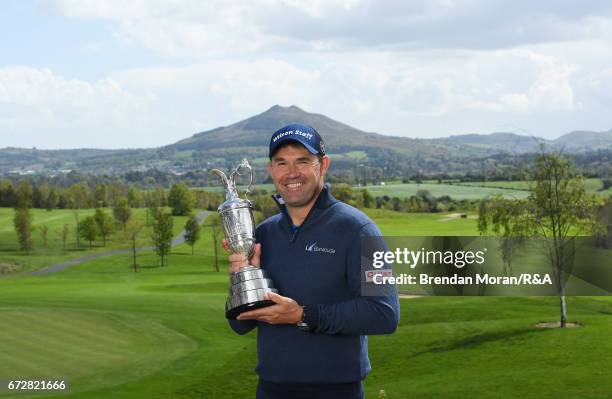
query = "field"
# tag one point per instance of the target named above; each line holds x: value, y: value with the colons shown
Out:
x: 54, y: 250
x: 402, y: 190
x: 455, y: 191
x: 160, y: 333
x: 420, y: 224
x: 592, y: 185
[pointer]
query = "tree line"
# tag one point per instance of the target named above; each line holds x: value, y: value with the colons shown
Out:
x: 102, y: 195
x: 180, y: 199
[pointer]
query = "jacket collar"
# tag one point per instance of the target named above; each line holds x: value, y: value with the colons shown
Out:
x: 324, y: 201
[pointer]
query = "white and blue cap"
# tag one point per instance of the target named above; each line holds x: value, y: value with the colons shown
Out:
x: 303, y: 134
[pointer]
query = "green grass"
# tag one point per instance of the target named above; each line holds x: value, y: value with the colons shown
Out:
x: 490, y: 348
x: 166, y: 326
x: 420, y: 224
x: 457, y: 190
x: 92, y: 349
x: 591, y: 184
x: 515, y: 185
x: 54, y: 252
x: 160, y: 333
x: 437, y: 190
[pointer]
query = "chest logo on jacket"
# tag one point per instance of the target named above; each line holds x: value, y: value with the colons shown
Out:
x: 314, y: 248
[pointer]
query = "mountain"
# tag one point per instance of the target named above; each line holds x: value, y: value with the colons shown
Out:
x: 256, y: 132
x: 354, y: 152
x: 581, y: 140
x: 499, y: 142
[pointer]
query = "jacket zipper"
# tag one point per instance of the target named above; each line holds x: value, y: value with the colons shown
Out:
x: 295, y: 232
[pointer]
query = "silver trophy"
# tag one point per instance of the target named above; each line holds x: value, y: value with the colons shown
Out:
x: 250, y: 284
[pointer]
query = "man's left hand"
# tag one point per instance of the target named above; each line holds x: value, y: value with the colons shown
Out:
x: 284, y: 311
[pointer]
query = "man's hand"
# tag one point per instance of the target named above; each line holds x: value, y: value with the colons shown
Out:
x: 236, y: 261
x: 284, y: 311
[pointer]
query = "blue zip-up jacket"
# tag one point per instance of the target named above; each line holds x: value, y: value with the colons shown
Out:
x: 318, y: 265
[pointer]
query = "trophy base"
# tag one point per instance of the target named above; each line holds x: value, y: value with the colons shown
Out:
x: 233, y: 313
x: 248, y: 291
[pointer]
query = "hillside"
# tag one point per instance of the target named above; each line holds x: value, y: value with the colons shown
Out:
x: 354, y: 152
x: 256, y: 131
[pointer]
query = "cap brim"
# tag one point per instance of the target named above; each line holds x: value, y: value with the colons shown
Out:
x: 294, y: 139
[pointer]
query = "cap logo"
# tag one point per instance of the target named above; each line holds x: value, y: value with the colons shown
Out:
x: 289, y: 132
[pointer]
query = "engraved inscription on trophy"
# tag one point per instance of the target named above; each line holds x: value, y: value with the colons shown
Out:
x: 250, y: 284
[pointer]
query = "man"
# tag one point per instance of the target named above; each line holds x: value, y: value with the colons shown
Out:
x: 312, y: 342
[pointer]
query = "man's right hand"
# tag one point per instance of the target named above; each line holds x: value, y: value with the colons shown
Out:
x: 236, y: 261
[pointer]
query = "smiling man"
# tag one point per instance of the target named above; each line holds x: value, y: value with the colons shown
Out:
x: 312, y: 343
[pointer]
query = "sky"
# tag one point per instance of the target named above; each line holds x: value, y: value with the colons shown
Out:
x: 146, y: 73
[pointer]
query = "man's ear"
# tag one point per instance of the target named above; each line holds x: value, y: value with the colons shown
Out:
x: 270, y: 167
x: 324, y: 164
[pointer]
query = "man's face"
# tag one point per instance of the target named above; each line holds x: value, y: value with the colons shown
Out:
x: 297, y: 174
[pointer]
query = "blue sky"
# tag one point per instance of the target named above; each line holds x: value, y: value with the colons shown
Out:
x: 144, y: 73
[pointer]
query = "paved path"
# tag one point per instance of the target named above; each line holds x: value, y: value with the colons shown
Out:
x: 64, y: 265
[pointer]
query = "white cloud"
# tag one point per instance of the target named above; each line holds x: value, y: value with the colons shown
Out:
x: 410, y: 68
x: 374, y: 91
x: 68, y: 110
x: 197, y: 29
x: 423, y: 94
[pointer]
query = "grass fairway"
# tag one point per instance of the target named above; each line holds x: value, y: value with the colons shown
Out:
x: 590, y: 184
x: 478, y: 347
x: 420, y: 224
x: 91, y: 349
x: 457, y: 192
x: 53, y: 252
x: 160, y: 333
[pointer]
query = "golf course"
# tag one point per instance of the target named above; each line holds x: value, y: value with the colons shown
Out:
x: 108, y: 331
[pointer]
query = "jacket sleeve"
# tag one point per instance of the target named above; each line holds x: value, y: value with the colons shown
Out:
x: 242, y: 326
x: 362, y: 315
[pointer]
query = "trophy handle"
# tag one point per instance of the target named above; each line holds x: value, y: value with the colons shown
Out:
x: 244, y: 164
x: 222, y: 176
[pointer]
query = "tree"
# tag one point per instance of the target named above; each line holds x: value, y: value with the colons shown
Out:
x: 192, y: 231
x: 63, y: 234
x: 180, y: 200
x: 368, y: 201
x: 76, y: 228
x: 53, y: 199
x: 105, y: 224
x: 41, y: 195
x: 343, y: 192
x: 158, y: 197
x: 132, y: 230
x: 134, y: 197
x: 161, y: 234
x: 150, y: 214
x: 557, y: 210
x: 23, y: 226
x: 7, y: 193
x: 122, y: 211
x: 100, y: 195
x: 24, y: 195
x: 79, y: 196
x: 88, y: 229
x: 44, y: 233
x: 215, y: 226
x: 604, y: 215
x: 23, y: 218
